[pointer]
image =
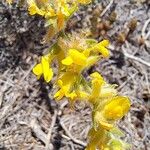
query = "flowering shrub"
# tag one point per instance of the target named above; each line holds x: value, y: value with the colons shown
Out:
x: 74, y: 54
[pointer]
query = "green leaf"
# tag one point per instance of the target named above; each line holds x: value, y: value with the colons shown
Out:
x: 90, y: 42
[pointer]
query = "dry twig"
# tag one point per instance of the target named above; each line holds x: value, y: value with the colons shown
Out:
x: 38, y: 132
x: 124, y: 83
x: 144, y: 35
x: 71, y: 136
x: 26, y: 74
x: 135, y: 58
x: 50, y: 130
x: 107, y: 7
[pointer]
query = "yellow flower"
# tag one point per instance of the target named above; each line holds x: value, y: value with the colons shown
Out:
x: 84, y: 1
x: 106, y: 113
x: 33, y: 9
x: 100, y: 121
x: 49, y: 12
x: 101, y: 47
x: 75, y: 57
x: 97, y: 82
x: 71, y: 95
x: 98, y: 139
x: 66, y: 83
x: 67, y: 61
x: 64, y: 7
x: 43, y: 68
x: 116, y: 108
x: 62, y: 92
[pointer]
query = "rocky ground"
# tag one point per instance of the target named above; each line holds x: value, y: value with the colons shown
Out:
x: 30, y: 118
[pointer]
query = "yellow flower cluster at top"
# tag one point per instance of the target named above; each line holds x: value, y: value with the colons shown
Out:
x: 73, y: 55
x: 55, y: 12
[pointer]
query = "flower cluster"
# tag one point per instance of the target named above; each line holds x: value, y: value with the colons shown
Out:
x: 73, y: 54
x: 108, y: 107
x: 55, y: 12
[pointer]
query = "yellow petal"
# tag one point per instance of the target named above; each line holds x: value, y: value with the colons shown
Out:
x: 97, y: 75
x: 67, y: 61
x: 104, y: 43
x: 84, y: 1
x: 37, y: 70
x: 96, y: 87
x: 60, y: 83
x: 117, y: 108
x: 40, y: 12
x: 68, y: 79
x: 49, y: 75
x: 104, y: 51
x: 71, y: 95
x: 47, y: 71
x: 97, y: 83
x: 50, y: 12
x: 101, y: 47
x: 87, y: 52
x: 59, y: 94
x: 77, y: 57
x: 32, y: 8
x: 65, y: 10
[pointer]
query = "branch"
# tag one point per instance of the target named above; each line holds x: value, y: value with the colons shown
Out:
x: 70, y: 136
x: 50, y: 130
x: 144, y: 35
x: 107, y: 7
x: 135, y: 58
